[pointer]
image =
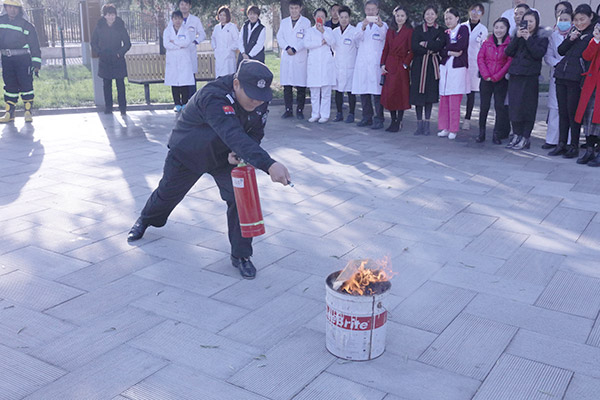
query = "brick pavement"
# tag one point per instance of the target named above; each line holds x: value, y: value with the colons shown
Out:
x: 497, y: 294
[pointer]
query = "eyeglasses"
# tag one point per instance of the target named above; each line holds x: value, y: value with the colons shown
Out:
x: 478, y: 12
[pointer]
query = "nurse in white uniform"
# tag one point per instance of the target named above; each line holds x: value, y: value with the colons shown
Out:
x: 224, y: 41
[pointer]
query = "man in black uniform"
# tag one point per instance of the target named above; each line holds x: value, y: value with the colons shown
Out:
x: 225, y: 120
x: 21, y: 58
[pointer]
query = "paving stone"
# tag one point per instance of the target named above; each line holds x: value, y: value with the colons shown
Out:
x: 312, y: 287
x: 427, y: 236
x: 576, y: 357
x: 467, y: 224
x: 583, y: 387
x: 433, y: 306
x: 497, y: 243
x: 281, y: 376
x: 109, y: 270
x: 196, y: 310
x: 594, y: 337
x: 469, y: 346
x: 198, y: 349
x: 33, y: 292
x: 274, y: 281
x: 591, y: 236
x: 22, y: 328
x: 466, y: 278
x: 50, y: 239
x: 104, y: 377
x: 60, y: 220
x: 21, y: 374
x: 176, y: 382
x: 330, y: 387
x: 182, y: 253
x: 286, y: 314
x: 407, y: 378
x: 42, y: 263
x: 109, y: 247
x: 520, y: 379
x: 406, y: 341
x: 531, y: 266
x: 573, y: 294
x: 190, y: 234
x: 15, y: 225
x: 80, y: 346
x: 536, y: 319
x: 318, y: 246
x: 568, y: 221
x: 187, y: 277
x: 105, y: 299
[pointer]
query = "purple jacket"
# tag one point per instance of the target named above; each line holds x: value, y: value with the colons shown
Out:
x: 462, y: 44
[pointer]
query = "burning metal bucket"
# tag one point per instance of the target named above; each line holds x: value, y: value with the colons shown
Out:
x: 356, y: 324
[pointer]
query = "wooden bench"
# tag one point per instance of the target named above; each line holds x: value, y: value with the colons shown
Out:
x: 146, y: 69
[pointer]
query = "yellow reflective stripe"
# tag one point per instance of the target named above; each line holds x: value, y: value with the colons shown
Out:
x: 36, y: 59
x: 253, y: 224
x: 13, y: 27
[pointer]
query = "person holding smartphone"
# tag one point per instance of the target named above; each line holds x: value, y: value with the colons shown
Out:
x: 527, y: 50
x: 320, y: 67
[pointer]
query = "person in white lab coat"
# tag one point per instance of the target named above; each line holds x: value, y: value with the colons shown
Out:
x: 344, y: 55
x: 552, y: 58
x: 252, y: 37
x: 290, y: 39
x: 320, y: 67
x: 478, y: 33
x: 178, y: 68
x: 195, y: 29
x: 224, y: 41
x: 367, y: 72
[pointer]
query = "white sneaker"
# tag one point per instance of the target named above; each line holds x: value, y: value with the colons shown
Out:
x: 313, y: 119
x: 466, y: 125
x: 443, y: 133
x: 323, y: 120
x: 451, y: 136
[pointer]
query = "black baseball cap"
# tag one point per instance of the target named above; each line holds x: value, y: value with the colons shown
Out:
x: 255, y: 78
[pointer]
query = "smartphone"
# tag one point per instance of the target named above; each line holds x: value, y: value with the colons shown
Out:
x: 320, y: 20
x: 523, y: 24
x: 372, y: 18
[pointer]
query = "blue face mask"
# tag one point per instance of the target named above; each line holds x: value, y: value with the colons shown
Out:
x: 563, y: 26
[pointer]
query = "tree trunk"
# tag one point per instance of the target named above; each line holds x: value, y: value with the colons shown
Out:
x: 285, y: 8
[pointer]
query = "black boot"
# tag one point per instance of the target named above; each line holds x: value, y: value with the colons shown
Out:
x: 338, y: 117
x: 137, y: 230
x: 394, y: 126
x: 595, y: 162
x: 523, y: 143
x: 247, y: 269
x: 560, y: 149
x: 420, y: 127
x: 589, y: 151
x: 515, y: 139
x: 299, y: 113
x: 496, y: 139
x: 426, y: 130
x: 481, y: 137
x: 572, y: 152
x: 287, y: 114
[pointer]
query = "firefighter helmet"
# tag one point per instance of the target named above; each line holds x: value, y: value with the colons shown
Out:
x: 16, y: 3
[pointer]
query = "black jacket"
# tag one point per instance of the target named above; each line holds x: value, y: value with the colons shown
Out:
x: 20, y: 34
x: 573, y: 65
x: 213, y: 124
x: 527, y: 55
x: 111, y: 43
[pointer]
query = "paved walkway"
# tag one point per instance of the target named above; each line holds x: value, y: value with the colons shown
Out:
x: 497, y: 293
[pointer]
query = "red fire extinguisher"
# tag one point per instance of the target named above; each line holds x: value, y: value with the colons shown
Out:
x: 247, y: 200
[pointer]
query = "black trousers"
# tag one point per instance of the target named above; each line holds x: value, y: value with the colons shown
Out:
x: 339, y: 101
x: 523, y: 128
x: 16, y: 73
x: 176, y: 181
x: 288, y: 97
x: 367, y: 107
x: 498, y: 90
x: 181, y: 94
x: 108, y: 99
x: 567, y: 94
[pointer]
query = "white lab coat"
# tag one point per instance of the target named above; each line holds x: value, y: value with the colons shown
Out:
x: 194, y: 28
x: 224, y: 41
x: 476, y: 38
x: 344, y: 48
x: 260, y: 43
x: 293, y: 68
x: 453, y: 80
x: 178, y: 68
x: 367, y: 70
x: 320, y: 65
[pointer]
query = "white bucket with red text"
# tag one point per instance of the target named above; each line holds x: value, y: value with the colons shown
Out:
x: 356, y: 325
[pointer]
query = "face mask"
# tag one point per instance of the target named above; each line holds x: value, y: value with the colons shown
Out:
x: 563, y: 26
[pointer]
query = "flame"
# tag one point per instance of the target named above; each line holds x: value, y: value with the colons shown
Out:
x: 356, y: 278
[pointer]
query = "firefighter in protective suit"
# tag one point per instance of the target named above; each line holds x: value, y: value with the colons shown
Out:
x: 224, y: 120
x: 21, y: 58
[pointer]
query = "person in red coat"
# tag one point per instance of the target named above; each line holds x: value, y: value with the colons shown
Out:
x: 395, y: 61
x: 588, y: 110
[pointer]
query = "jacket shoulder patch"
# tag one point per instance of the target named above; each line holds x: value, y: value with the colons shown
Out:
x: 228, y: 110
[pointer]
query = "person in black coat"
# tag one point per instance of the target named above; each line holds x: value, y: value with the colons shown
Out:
x: 568, y: 73
x: 252, y: 37
x: 527, y: 50
x: 110, y: 42
x: 427, y: 41
x: 224, y: 120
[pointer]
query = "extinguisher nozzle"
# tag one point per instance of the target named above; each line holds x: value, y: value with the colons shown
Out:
x: 290, y: 183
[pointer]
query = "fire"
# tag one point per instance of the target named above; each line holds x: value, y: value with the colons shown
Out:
x: 360, y: 276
